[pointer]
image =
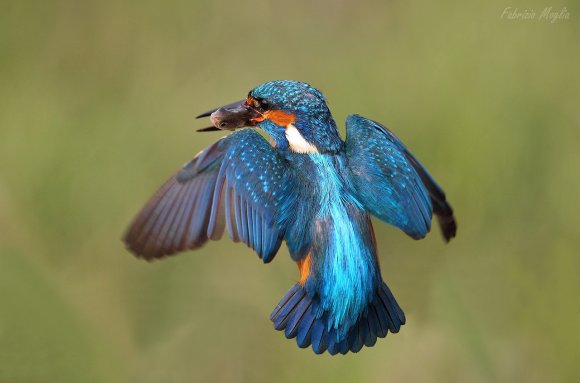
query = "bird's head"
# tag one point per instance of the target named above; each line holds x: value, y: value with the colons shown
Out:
x: 293, y: 113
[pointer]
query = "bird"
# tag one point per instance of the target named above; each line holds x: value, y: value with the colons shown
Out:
x: 300, y: 183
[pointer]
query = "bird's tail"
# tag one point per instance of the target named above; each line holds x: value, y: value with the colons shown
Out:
x: 302, y: 317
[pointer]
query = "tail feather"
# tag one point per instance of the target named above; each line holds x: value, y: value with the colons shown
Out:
x: 388, y: 298
x: 287, y: 310
x: 373, y: 327
x: 369, y: 340
x: 319, y: 335
x: 374, y: 321
x: 395, y: 315
x: 284, y: 300
x: 304, y: 335
x: 299, y: 314
x: 297, y: 317
x: 357, y: 336
x: 383, y: 317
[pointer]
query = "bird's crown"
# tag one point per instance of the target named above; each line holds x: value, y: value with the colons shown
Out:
x: 292, y: 97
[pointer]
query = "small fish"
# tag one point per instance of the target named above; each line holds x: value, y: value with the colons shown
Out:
x: 229, y: 117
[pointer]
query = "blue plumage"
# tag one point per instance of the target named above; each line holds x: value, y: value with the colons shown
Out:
x: 309, y: 189
x: 221, y: 188
x: 344, y: 266
x: 386, y: 183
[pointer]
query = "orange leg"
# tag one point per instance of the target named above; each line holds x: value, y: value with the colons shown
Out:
x: 304, y: 267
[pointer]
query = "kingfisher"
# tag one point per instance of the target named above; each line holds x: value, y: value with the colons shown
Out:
x: 305, y: 186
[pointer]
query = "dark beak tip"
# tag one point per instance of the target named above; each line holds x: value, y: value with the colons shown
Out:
x: 228, y: 106
x: 209, y: 129
x: 206, y: 114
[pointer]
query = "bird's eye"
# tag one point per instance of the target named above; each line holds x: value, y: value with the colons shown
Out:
x: 258, y: 103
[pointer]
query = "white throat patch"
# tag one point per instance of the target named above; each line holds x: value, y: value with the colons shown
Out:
x: 298, y: 144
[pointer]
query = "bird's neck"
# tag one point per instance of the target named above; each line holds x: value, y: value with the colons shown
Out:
x: 306, y: 136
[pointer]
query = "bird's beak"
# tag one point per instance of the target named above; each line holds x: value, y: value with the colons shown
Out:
x: 230, y: 117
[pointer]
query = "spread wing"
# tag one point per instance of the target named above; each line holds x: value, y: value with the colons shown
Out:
x: 239, y: 183
x: 391, y: 183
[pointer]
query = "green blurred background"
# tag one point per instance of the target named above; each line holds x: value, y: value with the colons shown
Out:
x: 97, y: 100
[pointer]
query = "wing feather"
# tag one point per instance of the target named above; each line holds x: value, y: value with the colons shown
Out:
x: 238, y: 184
x: 391, y: 183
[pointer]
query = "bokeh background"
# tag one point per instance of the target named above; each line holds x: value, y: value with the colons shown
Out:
x: 97, y: 100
